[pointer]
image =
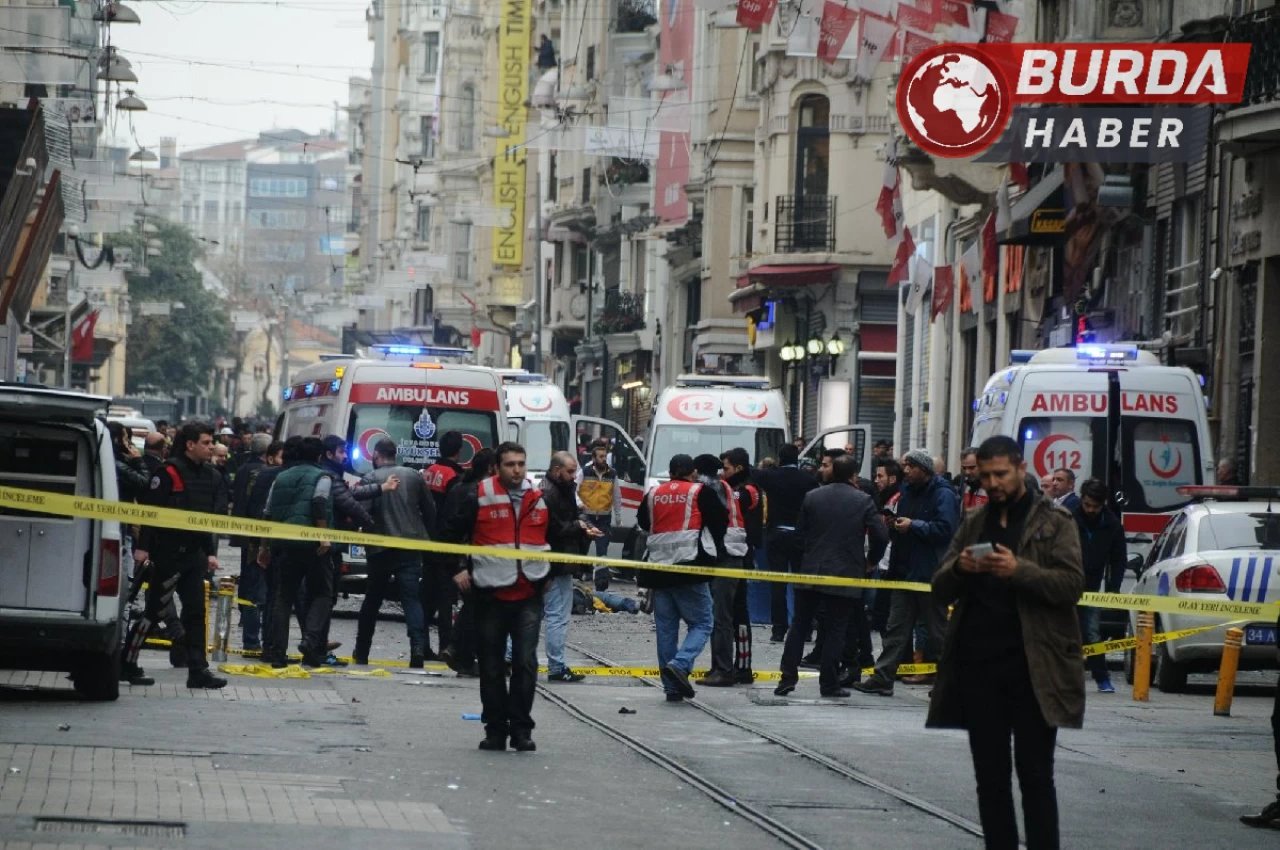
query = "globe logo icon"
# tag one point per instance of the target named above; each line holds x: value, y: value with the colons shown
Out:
x: 952, y: 101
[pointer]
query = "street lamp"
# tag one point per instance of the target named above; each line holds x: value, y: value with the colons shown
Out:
x: 616, y: 401
x: 787, y: 353
x: 835, y: 346
x: 815, y: 346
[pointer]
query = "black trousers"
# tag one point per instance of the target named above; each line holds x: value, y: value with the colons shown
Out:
x: 507, y: 706
x: 438, y: 595
x: 859, y: 654
x: 834, y: 612
x: 999, y: 703
x: 295, y: 565
x: 181, y: 572
x: 785, y: 553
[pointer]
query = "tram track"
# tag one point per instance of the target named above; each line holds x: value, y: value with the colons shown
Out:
x: 765, y: 821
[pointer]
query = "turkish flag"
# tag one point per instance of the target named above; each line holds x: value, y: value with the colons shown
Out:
x: 837, y: 22
x: 944, y: 287
x: 902, y: 262
x: 82, y: 338
x: 754, y: 14
x: 990, y: 259
x: 475, y: 338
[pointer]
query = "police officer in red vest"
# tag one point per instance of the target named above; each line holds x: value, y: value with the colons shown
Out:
x: 506, y: 512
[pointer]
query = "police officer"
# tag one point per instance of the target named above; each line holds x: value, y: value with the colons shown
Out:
x: 182, y: 559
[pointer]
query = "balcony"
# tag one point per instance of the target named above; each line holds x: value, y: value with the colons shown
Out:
x: 623, y: 313
x: 805, y: 224
x: 1256, y: 121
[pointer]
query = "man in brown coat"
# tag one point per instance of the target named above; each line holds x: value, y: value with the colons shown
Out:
x: 1011, y: 661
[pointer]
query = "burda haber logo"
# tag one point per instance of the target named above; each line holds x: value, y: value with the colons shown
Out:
x: 1068, y: 102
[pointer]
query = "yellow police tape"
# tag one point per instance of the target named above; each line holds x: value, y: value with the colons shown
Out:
x: 293, y: 671
x: 102, y: 509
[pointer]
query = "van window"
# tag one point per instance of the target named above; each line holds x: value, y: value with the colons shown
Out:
x: 416, y: 432
x: 694, y: 440
x: 307, y: 421
x: 543, y: 439
x: 48, y: 461
x: 1064, y: 442
x: 1160, y: 455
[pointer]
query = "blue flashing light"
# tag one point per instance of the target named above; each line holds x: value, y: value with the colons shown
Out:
x: 1202, y: 381
x: 421, y: 350
x: 1107, y: 353
x: 355, y: 454
x: 1028, y: 434
x: 334, y: 387
x: 310, y: 388
x: 1019, y: 356
x: 975, y: 405
x: 288, y: 393
x: 1004, y: 398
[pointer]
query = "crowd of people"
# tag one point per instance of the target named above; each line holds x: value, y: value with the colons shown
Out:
x: 1007, y: 556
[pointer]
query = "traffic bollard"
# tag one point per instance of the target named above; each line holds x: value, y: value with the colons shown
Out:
x: 1142, y: 657
x: 1227, y: 672
x: 208, y: 593
x: 222, y: 627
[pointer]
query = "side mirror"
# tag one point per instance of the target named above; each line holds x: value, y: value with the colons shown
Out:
x: 1137, y: 563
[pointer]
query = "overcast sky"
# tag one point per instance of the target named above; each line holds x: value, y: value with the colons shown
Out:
x: 213, y: 71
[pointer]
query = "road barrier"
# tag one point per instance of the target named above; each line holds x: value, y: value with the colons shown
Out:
x: 1227, y: 672
x: 1142, y: 658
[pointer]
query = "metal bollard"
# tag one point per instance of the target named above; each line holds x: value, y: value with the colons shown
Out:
x: 208, y: 592
x: 222, y: 628
x: 1142, y: 657
x: 1227, y: 672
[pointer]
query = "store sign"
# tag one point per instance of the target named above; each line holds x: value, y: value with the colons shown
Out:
x: 1049, y: 221
x: 509, y: 164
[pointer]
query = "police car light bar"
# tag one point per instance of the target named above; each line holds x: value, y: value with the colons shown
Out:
x: 1237, y: 494
x: 1020, y: 356
x: 1107, y: 353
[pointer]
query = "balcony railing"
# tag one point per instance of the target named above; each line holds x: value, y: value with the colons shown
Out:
x: 1262, y: 30
x: 623, y: 312
x: 805, y: 224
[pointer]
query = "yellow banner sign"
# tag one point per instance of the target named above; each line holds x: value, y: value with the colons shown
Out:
x: 514, y: 33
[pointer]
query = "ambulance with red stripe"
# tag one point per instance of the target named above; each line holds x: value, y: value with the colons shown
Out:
x: 1110, y: 412
x: 410, y: 394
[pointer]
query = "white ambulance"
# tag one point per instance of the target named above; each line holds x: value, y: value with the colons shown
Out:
x: 710, y: 414
x: 537, y: 417
x: 410, y: 394
x: 1110, y: 412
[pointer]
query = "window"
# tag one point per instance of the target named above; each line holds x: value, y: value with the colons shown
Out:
x: 430, y: 53
x: 1064, y: 442
x: 467, y: 119
x: 398, y: 422
x: 748, y: 219
x: 278, y: 252
x: 278, y: 219
x: 669, y: 440
x: 813, y: 150
x: 233, y: 211
x: 277, y: 187
x: 553, y: 181
x: 1160, y: 455
x: 542, y: 440
x: 1182, y: 282
x: 581, y: 266
x: 213, y: 174
x: 424, y: 223
x: 1239, y: 531
x: 427, y: 128
x: 461, y: 251
x: 757, y: 67
x: 188, y: 212
x: 586, y: 185
x: 591, y: 63
x: 210, y: 210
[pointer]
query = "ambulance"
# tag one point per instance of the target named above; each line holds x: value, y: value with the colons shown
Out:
x: 409, y: 394
x: 1110, y: 412
x: 710, y: 414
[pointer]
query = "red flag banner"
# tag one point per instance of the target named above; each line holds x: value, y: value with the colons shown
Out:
x: 990, y: 259
x: 902, y: 262
x: 914, y: 43
x: 1018, y: 174
x: 966, y: 295
x: 1014, y: 256
x: 1000, y: 27
x: 944, y: 288
x: 837, y: 22
x: 754, y: 14
x: 956, y: 12
x: 878, y: 36
x: 916, y: 19
x: 82, y: 338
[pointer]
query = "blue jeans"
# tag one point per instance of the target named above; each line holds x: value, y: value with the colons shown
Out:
x: 692, y: 604
x: 616, y: 602
x: 604, y: 523
x: 557, y: 605
x: 251, y: 588
x: 406, y: 568
x: 1091, y: 632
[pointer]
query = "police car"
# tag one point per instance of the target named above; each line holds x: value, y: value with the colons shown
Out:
x: 1225, y: 545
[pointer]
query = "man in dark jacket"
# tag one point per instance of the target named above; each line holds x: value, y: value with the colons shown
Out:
x: 731, y: 639
x: 252, y: 585
x: 927, y: 518
x: 1102, y: 548
x: 437, y: 591
x: 835, y: 522
x: 785, y: 487
x: 676, y: 536
x: 566, y: 532
x: 278, y: 460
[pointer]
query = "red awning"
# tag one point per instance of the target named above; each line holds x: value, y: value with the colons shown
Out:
x: 794, y: 275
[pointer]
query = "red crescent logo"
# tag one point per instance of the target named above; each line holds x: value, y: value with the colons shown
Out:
x: 1043, y: 449
x: 527, y: 406
x: 475, y: 445
x: 368, y: 440
x: 764, y: 409
x: 1177, y: 467
x: 692, y: 408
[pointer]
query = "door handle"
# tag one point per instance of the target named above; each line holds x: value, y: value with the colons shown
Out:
x: 41, y: 532
x: 19, y: 532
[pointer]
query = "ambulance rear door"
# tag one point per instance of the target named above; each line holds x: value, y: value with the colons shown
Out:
x: 628, y: 462
x: 1059, y: 418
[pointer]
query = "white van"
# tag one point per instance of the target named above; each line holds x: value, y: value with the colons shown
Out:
x: 710, y: 414
x: 137, y: 426
x: 61, y: 594
x: 1110, y: 412
x: 410, y: 394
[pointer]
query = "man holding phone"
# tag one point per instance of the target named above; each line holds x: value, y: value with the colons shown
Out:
x: 1011, y: 659
x: 567, y: 532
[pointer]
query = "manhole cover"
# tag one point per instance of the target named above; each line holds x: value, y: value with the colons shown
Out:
x: 130, y: 828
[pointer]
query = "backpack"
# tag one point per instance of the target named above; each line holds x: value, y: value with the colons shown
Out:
x: 583, y: 599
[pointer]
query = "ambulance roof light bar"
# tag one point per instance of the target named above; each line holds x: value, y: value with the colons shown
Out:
x: 1021, y: 356
x: 523, y: 378
x: 390, y: 351
x: 1107, y: 353
x: 742, y: 382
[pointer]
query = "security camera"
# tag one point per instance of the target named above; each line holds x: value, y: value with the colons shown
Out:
x: 1217, y: 273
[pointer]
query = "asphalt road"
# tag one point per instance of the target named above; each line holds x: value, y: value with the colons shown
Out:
x: 342, y: 760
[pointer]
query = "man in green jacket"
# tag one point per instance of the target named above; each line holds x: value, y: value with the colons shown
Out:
x: 303, y: 495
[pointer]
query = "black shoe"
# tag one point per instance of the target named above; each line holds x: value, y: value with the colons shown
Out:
x: 309, y: 660
x: 278, y: 662
x: 744, y: 677
x: 565, y: 675
x: 849, y: 678
x: 178, y: 657
x: 416, y: 660
x: 429, y: 654
x: 838, y: 693
x: 778, y: 636
x: 681, y: 679
x: 135, y: 675
x: 360, y: 659
x: 1269, y: 817
x: 785, y: 687
x: 675, y: 698
x: 523, y: 744
x: 875, y: 687
x: 718, y: 679
x: 494, y: 743
x: 811, y: 662
x: 472, y: 672
x: 204, y: 679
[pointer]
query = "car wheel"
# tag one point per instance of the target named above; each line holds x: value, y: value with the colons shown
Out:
x: 97, y: 677
x: 1169, y: 676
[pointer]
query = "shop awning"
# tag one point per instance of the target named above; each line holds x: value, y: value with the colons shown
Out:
x: 798, y: 275
x: 1039, y: 217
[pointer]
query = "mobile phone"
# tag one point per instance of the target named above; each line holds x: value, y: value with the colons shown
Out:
x: 982, y: 550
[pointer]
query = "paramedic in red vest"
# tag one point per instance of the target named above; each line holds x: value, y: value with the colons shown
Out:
x: 731, y: 637
x: 972, y: 496
x: 601, y: 499
x: 182, y: 559
x: 686, y: 523
x: 437, y: 591
x: 506, y: 512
